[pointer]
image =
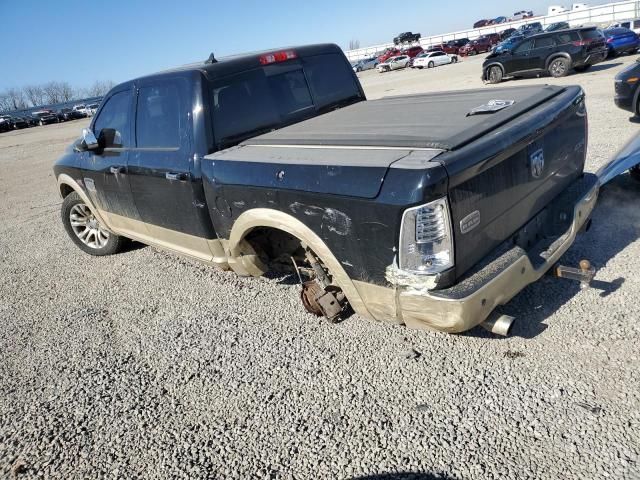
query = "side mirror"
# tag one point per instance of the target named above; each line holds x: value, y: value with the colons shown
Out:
x: 88, y: 141
x: 110, y: 138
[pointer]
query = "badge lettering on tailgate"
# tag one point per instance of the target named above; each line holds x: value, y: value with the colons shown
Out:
x: 470, y: 222
x: 536, y: 161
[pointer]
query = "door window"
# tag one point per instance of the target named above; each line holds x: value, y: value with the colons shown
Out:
x: 158, y: 116
x: 544, y: 42
x: 115, y: 114
x: 523, y: 47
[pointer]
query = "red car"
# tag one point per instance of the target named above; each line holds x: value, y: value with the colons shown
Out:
x: 388, y: 53
x: 480, y: 45
x: 412, y: 51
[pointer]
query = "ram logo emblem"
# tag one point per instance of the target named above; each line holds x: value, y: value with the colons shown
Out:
x: 536, y: 160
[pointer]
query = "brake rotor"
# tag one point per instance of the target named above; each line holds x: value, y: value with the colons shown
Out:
x: 309, y: 294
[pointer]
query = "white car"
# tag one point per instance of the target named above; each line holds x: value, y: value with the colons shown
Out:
x: 365, y: 64
x: 433, y: 59
x: 92, y: 109
x: 394, y: 63
x: 82, y: 109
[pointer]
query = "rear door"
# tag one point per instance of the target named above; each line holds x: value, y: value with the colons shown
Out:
x: 542, y: 48
x: 161, y: 166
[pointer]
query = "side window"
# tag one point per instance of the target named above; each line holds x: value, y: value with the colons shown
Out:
x: 567, y: 37
x: 523, y: 47
x: 115, y: 114
x: 544, y: 42
x: 158, y: 116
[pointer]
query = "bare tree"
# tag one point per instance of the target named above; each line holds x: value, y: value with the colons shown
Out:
x: 17, y: 98
x: 100, y: 88
x: 52, y: 92
x: 5, y: 102
x: 354, y: 44
x: 35, y: 94
x: 66, y: 91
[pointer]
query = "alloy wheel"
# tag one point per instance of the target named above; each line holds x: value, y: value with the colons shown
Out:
x: 87, y: 228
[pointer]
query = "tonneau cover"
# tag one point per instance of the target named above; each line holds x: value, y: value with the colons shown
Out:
x: 434, y: 120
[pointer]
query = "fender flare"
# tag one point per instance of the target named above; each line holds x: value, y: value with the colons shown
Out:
x: 553, y: 56
x: 64, y: 179
x: 267, y: 217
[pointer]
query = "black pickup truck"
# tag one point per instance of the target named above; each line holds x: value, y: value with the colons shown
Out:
x: 427, y: 210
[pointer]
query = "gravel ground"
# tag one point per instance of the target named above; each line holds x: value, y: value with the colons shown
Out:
x: 146, y: 365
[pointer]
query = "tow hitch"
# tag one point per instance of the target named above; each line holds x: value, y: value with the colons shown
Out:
x: 318, y: 295
x: 584, y: 274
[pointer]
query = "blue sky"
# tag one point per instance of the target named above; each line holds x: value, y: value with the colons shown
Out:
x: 84, y: 41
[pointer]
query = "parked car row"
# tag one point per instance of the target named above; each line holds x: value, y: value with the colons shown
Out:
x: 46, y: 116
x: 522, y: 14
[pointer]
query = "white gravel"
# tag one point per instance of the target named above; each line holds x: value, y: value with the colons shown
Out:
x: 146, y: 365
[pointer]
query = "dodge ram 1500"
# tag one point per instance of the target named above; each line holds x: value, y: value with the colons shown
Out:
x: 428, y: 210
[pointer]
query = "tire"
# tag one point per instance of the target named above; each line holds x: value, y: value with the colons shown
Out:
x: 97, y: 241
x: 430, y: 65
x: 454, y: 59
x: 472, y: 52
x: 559, y: 67
x: 582, y: 68
x: 494, y: 75
x: 41, y: 123
x: 635, y: 173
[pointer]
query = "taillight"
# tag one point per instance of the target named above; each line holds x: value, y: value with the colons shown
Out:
x: 426, y: 239
x: 582, y: 43
x: 276, y: 57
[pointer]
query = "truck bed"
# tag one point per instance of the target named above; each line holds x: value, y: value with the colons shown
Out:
x: 434, y: 120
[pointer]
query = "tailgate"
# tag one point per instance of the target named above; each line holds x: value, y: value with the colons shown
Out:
x: 502, y: 180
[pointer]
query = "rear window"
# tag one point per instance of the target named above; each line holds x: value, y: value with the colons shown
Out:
x: 257, y: 101
x: 590, y: 34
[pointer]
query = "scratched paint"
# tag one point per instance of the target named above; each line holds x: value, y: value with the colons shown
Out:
x: 333, y: 220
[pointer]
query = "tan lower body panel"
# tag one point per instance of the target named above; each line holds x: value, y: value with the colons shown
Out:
x: 208, y: 251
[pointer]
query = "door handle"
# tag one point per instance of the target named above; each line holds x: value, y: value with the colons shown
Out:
x: 176, y: 176
x: 117, y: 170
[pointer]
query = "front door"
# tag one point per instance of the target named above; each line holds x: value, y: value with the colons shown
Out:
x: 105, y: 170
x: 519, y: 60
x: 161, y: 167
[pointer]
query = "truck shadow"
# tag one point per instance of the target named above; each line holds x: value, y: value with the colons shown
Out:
x: 616, y: 224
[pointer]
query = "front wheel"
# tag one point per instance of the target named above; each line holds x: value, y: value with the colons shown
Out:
x: 454, y: 59
x: 430, y: 65
x: 85, y: 230
x: 559, y: 67
x: 40, y: 123
x: 494, y: 75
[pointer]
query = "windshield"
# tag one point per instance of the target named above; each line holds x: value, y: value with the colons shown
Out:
x: 257, y: 101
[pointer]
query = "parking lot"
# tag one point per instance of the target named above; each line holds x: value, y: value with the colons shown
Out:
x: 147, y: 365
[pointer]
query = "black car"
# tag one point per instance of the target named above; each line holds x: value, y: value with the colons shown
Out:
x: 66, y: 114
x: 530, y: 28
x: 554, y: 27
x: 45, y: 117
x: 5, y: 123
x: 18, y: 123
x: 406, y: 37
x: 507, y: 33
x: 627, y: 92
x: 555, y: 52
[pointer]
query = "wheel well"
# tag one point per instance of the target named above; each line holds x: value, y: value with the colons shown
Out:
x: 65, y: 190
x: 275, y: 248
x: 556, y: 56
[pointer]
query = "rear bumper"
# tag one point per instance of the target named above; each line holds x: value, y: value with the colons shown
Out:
x: 499, y: 279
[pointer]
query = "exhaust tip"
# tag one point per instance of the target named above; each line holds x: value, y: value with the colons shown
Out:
x: 499, y: 324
